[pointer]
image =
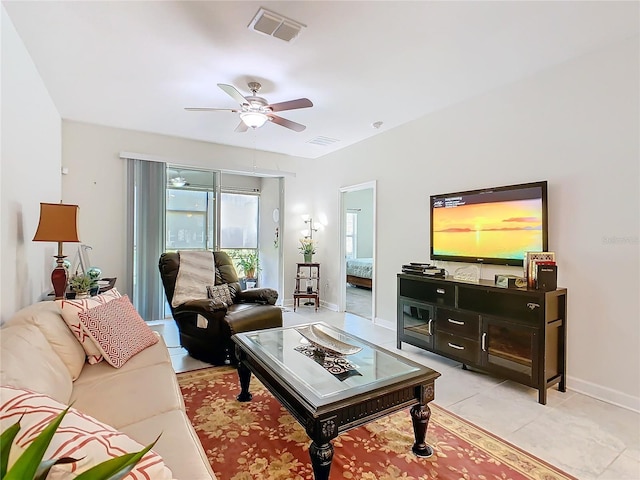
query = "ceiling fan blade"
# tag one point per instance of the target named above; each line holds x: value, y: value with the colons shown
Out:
x: 296, y: 127
x: 233, y: 93
x: 209, y: 109
x: 242, y: 127
x: 291, y: 105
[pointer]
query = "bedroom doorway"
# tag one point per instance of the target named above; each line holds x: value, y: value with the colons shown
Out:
x: 358, y: 249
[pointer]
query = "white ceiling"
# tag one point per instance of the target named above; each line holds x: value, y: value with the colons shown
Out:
x: 136, y: 65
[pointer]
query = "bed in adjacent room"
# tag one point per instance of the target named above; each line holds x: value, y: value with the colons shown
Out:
x: 359, y: 272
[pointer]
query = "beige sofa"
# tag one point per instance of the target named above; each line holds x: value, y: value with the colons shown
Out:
x: 142, y: 399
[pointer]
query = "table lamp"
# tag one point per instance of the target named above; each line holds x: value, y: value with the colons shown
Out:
x: 58, y: 223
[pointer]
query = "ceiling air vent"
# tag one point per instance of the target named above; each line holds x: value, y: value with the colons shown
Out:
x: 323, y: 141
x: 273, y: 24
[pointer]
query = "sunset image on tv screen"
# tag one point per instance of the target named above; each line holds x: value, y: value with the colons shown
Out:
x: 504, y: 229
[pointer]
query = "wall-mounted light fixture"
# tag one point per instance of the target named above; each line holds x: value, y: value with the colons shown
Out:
x: 308, y: 233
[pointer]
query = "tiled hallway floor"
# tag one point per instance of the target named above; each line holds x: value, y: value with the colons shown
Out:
x: 585, y: 437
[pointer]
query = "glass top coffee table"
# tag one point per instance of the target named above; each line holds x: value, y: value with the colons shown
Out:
x: 332, y: 381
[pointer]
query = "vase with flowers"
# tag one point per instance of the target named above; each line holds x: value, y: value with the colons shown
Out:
x: 307, y: 248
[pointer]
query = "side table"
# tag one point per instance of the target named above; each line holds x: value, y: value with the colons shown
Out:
x: 307, y: 284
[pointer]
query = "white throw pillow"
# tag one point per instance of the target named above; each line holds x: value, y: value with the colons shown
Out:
x: 70, y: 310
x: 46, y: 317
x: 79, y: 436
x: 28, y: 361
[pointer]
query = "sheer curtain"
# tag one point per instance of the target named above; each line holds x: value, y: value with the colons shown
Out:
x: 145, y: 235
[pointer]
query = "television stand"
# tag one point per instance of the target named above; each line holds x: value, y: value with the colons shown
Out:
x: 515, y: 333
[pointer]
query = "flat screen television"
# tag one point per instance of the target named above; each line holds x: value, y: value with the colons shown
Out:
x: 493, y: 225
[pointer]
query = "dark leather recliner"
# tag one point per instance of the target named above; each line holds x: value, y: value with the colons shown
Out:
x: 252, y: 309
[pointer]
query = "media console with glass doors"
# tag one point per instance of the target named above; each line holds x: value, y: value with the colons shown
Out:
x: 515, y: 333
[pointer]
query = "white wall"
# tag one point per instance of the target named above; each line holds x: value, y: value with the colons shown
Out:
x: 269, y: 275
x: 31, y: 144
x: 97, y: 179
x: 575, y: 125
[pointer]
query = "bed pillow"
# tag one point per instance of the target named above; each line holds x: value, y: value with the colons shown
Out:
x: 118, y: 330
x: 79, y: 436
x: 70, y: 310
x: 220, y: 294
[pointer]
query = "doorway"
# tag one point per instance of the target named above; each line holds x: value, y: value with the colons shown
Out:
x: 357, y: 211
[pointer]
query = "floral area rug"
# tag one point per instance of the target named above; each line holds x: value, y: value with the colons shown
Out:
x: 261, y: 440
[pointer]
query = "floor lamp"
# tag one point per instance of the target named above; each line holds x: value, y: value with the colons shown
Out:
x: 58, y: 223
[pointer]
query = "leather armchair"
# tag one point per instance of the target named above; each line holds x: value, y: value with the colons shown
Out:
x: 252, y: 309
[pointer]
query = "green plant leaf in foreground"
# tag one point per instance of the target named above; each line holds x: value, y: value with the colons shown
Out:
x: 27, y: 465
x: 45, y: 466
x: 6, y: 439
x: 116, y: 468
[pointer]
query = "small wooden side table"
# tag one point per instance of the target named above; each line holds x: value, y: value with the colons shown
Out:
x: 310, y: 288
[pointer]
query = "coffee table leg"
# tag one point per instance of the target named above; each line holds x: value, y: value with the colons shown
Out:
x: 420, y: 415
x: 321, y: 457
x: 245, y: 377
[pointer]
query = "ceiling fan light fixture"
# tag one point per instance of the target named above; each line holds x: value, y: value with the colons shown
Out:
x: 253, y: 119
x: 178, y: 181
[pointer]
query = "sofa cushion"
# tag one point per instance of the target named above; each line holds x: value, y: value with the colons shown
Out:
x: 181, y: 451
x: 46, y: 317
x: 118, y: 330
x: 70, y: 310
x: 126, y: 396
x: 28, y: 361
x: 220, y: 294
x: 155, y: 354
x: 79, y: 436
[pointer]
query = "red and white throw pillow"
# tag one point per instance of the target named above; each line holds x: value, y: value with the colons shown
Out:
x: 70, y: 309
x: 78, y: 436
x: 118, y: 330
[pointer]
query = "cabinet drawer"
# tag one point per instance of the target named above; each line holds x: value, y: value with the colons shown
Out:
x: 463, y: 348
x: 459, y: 323
x: 527, y: 308
x: 432, y: 292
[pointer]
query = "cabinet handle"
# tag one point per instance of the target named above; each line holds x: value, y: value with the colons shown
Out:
x: 429, y: 326
x: 455, y: 322
x: 457, y: 347
x: 440, y: 291
x: 532, y: 305
x: 484, y: 340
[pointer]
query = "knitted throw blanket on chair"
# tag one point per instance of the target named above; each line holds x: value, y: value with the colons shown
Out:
x: 196, y: 271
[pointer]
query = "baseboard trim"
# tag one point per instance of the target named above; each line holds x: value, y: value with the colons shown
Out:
x: 329, y: 306
x: 605, y: 394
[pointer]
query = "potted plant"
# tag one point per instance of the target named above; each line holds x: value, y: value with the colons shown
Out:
x: 249, y: 263
x: 30, y: 465
x: 94, y: 273
x: 307, y: 248
x: 81, y: 284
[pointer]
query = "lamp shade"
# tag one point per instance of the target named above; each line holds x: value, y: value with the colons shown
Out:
x: 253, y: 119
x: 58, y: 223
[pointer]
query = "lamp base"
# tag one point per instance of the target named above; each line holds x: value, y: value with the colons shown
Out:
x: 59, y: 278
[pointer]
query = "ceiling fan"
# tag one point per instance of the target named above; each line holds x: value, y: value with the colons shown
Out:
x: 178, y: 181
x: 256, y: 111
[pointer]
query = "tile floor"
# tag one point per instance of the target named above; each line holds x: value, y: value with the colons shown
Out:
x: 585, y: 437
x: 358, y: 301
